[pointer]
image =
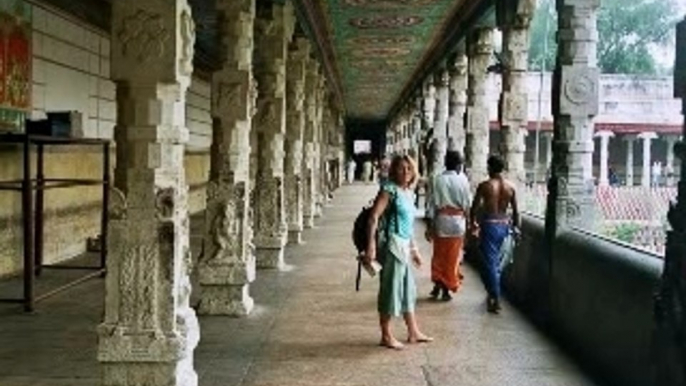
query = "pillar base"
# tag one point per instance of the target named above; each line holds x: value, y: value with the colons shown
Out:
x: 148, y: 374
x: 230, y: 300
x: 224, y: 288
x: 149, y: 358
x: 295, y: 237
x: 308, y: 222
x: 270, y: 258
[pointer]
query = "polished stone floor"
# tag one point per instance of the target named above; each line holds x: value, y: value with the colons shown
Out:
x: 310, y: 328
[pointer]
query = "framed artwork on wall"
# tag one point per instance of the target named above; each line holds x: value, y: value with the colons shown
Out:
x: 15, y: 64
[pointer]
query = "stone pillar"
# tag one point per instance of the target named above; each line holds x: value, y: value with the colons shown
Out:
x: 228, y: 265
x: 149, y: 331
x: 274, y: 28
x: 309, y: 162
x: 458, y: 103
x: 647, y: 138
x: 480, y: 49
x: 604, y: 136
x: 671, y: 298
x: 514, y: 19
x: 575, y: 103
x: 295, y: 131
x: 442, y: 85
x: 629, y: 159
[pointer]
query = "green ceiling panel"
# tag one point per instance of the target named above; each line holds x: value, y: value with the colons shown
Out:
x: 378, y: 45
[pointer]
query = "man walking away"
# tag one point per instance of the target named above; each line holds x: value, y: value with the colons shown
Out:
x: 491, y: 222
x: 448, y: 209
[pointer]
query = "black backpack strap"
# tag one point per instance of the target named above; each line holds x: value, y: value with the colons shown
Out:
x: 359, y: 275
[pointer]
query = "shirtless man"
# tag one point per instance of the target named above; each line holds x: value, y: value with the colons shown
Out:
x: 491, y: 223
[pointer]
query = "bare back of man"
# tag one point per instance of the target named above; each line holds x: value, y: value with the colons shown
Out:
x: 497, y: 194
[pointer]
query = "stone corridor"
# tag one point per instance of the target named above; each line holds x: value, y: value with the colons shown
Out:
x: 309, y: 327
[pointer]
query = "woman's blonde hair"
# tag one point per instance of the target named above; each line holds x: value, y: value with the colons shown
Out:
x: 395, y: 166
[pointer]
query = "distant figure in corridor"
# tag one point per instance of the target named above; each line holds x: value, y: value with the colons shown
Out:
x: 367, y: 171
x: 448, y: 209
x: 490, y: 222
x: 397, y: 289
x: 351, y: 171
x: 384, y: 167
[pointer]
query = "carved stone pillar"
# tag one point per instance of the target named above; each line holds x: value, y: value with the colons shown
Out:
x: 274, y: 28
x: 604, y: 136
x: 575, y: 103
x: 458, y: 103
x: 480, y: 48
x: 149, y: 331
x: 630, y: 159
x: 671, y: 299
x: 310, y: 160
x: 514, y: 18
x: 227, y: 266
x: 647, y: 138
x: 295, y: 131
x: 440, y: 143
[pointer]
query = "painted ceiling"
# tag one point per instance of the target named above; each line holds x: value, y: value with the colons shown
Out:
x: 378, y: 45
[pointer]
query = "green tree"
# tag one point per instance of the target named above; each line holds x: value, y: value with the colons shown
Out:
x: 627, y: 31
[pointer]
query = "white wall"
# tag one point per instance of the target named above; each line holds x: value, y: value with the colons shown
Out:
x: 71, y: 71
x: 623, y: 99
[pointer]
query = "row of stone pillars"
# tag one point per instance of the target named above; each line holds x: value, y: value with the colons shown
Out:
x: 270, y: 119
x: 646, y: 138
x: 453, y: 102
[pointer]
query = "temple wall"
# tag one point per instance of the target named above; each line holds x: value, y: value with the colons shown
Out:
x: 594, y: 294
x: 71, y: 72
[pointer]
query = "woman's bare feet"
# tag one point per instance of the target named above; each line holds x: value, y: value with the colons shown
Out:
x: 391, y: 343
x: 419, y: 338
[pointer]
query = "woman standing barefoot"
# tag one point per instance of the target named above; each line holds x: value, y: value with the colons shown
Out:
x: 397, y: 290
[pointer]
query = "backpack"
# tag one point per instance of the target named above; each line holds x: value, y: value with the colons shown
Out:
x: 359, y: 234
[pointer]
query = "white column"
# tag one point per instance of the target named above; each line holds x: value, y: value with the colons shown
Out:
x: 647, y: 138
x: 604, y: 136
x: 629, y: 159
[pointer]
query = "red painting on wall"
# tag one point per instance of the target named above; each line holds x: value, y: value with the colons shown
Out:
x: 15, y: 58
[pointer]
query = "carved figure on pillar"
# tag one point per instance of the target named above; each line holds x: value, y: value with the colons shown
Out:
x: 479, y: 48
x: 227, y: 265
x: 274, y: 28
x: 514, y: 19
x: 295, y: 131
x: 149, y: 331
x: 671, y: 298
x: 571, y: 197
